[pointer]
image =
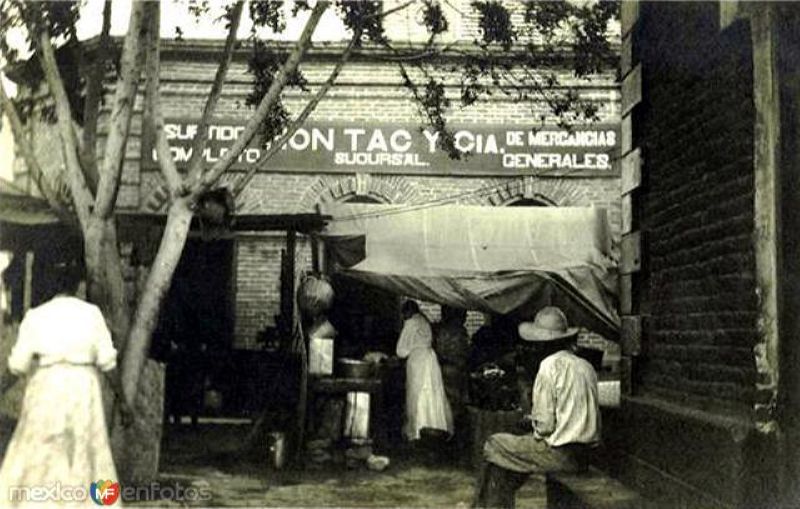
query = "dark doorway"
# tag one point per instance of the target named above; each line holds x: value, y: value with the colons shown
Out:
x: 366, y: 317
x: 196, y: 324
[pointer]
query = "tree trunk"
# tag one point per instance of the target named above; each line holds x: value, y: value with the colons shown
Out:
x: 105, y: 281
x: 117, y: 298
x: 95, y: 265
x: 173, y: 241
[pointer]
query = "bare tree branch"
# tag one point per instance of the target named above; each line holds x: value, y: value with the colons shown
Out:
x: 94, y: 96
x: 275, y: 89
x: 295, y: 124
x: 152, y: 114
x: 392, y: 10
x: 120, y: 119
x: 81, y: 196
x: 29, y: 156
x: 201, y: 139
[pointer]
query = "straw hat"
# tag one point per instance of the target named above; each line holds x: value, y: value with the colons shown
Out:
x: 550, y: 324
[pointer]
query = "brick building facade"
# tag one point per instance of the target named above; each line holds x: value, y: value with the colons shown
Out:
x: 367, y: 95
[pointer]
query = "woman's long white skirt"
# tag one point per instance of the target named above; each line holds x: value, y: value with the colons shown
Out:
x: 426, y: 402
x: 61, y: 439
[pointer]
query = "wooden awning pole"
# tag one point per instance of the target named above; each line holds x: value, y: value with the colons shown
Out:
x: 315, y: 265
x: 27, y: 292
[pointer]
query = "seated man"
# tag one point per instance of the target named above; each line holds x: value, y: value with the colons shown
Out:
x: 565, y: 417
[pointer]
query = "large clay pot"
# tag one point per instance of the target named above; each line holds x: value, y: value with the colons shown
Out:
x: 315, y: 295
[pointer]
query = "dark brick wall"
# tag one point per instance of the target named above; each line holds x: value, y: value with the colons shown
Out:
x: 695, y: 127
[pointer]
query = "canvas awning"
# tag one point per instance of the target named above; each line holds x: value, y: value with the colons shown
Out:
x: 28, y: 222
x: 20, y: 208
x: 493, y: 259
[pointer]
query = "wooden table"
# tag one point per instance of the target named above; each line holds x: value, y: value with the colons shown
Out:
x: 318, y: 385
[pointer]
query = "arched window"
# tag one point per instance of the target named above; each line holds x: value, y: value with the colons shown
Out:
x: 355, y: 198
x: 539, y: 201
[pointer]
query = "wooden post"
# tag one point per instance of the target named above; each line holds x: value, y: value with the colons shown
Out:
x: 27, y: 289
x: 776, y: 85
x: 4, y: 261
x: 300, y: 354
x: 315, y: 265
x: 291, y: 248
x: 789, y: 324
x: 631, y: 248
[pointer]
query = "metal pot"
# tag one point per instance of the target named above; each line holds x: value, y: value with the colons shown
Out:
x: 354, y: 368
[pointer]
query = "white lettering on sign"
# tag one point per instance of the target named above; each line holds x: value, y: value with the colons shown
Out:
x: 489, y: 147
x: 433, y: 138
x: 469, y: 142
x: 378, y: 159
x: 572, y: 139
x: 354, y: 134
x: 314, y: 139
x: 544, y: 161
x: 400, y: 145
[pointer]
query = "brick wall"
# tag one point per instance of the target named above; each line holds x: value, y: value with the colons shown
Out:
x: 696, y: 130
x: 258, y: 265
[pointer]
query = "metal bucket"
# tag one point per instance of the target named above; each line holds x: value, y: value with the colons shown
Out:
x: 276, y: 443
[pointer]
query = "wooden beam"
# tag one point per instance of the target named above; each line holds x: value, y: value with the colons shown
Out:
x: 626, y: 375
x: 631, y: 335
x: 315, y: 263
x: 626, y: 294
x: 629, y: 15
x: 27, y: 288
x: 627, y: 134
x: 729, y: 11
x: 291, y: 252
x: 632, y: 89
x: 627, y: 213
x: 303, y: 223
x: 631, y: 174
x: 631, y: 253
x: 626, y: 62
x: 3, y: 302
x: 767, y: 195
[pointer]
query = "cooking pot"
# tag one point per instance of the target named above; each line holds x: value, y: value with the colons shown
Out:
x: 354, y: 368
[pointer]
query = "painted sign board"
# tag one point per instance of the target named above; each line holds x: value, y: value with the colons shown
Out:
x: 391, y: 148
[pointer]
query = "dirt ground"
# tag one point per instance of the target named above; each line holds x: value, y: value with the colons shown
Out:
x: 206, y: 464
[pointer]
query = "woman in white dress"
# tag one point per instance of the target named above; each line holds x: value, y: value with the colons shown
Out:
x: 61, y: 437
x: 426, y: 402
